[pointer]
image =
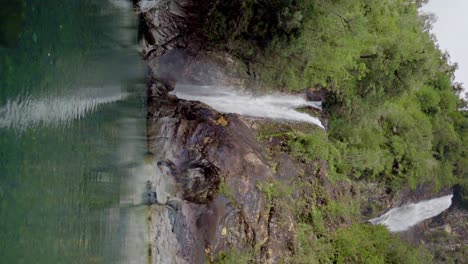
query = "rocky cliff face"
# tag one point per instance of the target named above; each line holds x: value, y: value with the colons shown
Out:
x: 225, y: 185
x: 165, y: 22
x: 168, y: 39
x: 224, y: 189
x: 210, y: 164
x: 206, y: 163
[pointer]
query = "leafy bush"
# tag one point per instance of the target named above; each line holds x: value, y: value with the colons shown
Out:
x: 359, y: 243
x: 363, y: 243
x: 311, y: 146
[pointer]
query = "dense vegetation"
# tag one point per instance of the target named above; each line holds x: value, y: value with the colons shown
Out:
x: 395, y: 112
x: 396, y: 116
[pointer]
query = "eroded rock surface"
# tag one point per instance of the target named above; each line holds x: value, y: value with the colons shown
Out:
x: 446, y: 235
x: 206, y: 165
x: 165, y: 23
x: 210, y: 164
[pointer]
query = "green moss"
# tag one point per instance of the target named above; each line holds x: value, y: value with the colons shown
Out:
x: 227, y: 192
x: 310, y: 146
x: 234, y: 256
x: 274, y: 189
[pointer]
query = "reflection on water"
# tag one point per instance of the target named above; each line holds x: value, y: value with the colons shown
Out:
x: 72, y: 140
x: 11, y: 16
x: 24, y: 113
x: 134, y: 249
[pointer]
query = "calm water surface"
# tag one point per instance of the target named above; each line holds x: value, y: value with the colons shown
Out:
x: 72, y: 137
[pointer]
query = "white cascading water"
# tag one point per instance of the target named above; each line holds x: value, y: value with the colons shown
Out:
x: 23, y: 113
x: 274, y: 106
x: 403, y: 218
x: 147, y: 5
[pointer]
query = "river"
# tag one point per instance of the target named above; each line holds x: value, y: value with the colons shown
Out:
x: 72, y: 142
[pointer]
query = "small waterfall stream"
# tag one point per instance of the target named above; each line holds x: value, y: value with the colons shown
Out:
x: 403, y: 218
x: 274, y: 106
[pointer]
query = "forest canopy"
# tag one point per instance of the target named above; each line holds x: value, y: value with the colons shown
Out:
x: 396, y: 114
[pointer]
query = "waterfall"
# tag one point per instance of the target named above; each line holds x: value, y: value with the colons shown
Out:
x: 274, y: 106
x: 402, y: 218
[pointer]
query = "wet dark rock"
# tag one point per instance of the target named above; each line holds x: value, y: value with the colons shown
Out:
x: 169, y: 165
x: 160, y: 87
x: 211, y: 221
x: 199, y: 68
x: 445, y: 235
x: 318, y: 94
x: 152, y: 198
x: 458, y: 197
x: 174, y: 50
x: 165, y: 21
x: 201, y: 153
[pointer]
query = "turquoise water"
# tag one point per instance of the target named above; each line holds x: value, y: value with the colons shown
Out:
x: 72, y: 140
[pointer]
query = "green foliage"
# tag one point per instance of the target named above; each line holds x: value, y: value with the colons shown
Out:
x: 359, y: 243
x: 234, y: 256
x: 373, y: 244
x: 311, y: 146
x: 376, y: 46
x: 316, y: 146
x: 393, y: 107
x: 395, y: 114
x: 463, y: 170
x: 259, y: 23
x: 227, y: 191
x: 328, y: 233
x: 429, y: 100
x: 345, y: 210
x: 274, y: 189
